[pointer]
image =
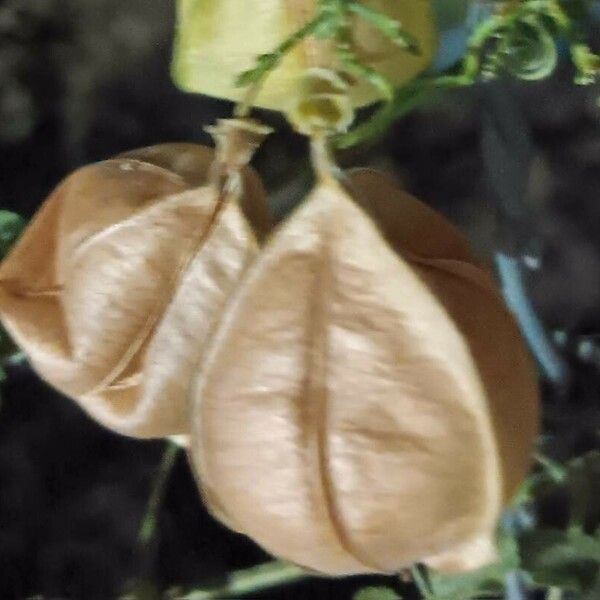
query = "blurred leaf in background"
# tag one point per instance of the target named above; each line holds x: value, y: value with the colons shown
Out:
x: 567, y: 559
x: 376, y: 593
x: 11, y: 226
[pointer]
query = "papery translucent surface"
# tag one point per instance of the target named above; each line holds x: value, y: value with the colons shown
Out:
x: 219, y: 39
x: 441, y: 255
x: 342, y: 419
x: 116, y: 285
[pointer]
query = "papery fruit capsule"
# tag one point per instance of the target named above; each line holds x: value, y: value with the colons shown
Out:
x: 363, y: 406
x: 217, y: 40
x: 115, y: 286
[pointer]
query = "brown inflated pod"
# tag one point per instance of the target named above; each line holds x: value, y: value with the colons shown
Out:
x: 116, y: 285
x: 367, y: 402
x: 441, y: 256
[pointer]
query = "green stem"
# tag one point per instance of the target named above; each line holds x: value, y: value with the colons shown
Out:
x: 250, y: 581
x: 421, y: 583
x: 148, y: 525
x: 416, y: 93
x: 553, y: 469
x: 406, y: 100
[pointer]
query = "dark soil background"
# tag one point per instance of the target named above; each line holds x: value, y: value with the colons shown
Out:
x: 81, y: 80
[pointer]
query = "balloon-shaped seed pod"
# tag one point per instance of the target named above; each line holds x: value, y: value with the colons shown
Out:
x: 116, y: 285
x: 441, y: 256
x: 217, y: 40
x: 367, y: 402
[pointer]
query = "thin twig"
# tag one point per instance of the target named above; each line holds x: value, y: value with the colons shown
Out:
x: 148, y: 525
x: 421, y: 582
x: 513, y: 287
x: 249, y: 581
x: 515, y: 588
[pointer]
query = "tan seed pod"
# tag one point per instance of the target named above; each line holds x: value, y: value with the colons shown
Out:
x: 350, y: 417
x: 217, y: 40
x: 115, y: 286
x: 442, y: 257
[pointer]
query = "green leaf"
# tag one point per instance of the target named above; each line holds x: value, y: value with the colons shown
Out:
x: 488, y: 581
x: 388, y: 26
x: 376, y: 593
x: 354, y: 66
x: 566, y: 559
x: 577, y: 480
x: 551, y: 11
x: 362, y: 71
x: 404, y: 101
x: 7, y: 347
x: 594, y: 592
x: 248, y: 582
x: 267, y: 62
x: 529, y: 51
x: 586, y: 62
x: 583, y: 481
x: 11, y: 226
x: 264, y: 64
x: 553, y: 470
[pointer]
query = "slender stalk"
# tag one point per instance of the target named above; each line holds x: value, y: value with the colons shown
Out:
x: 515, y: 588
x: 255, y: 78
x: 148, y: 525
x: 421, y: 582
x: 249, y: 581
x: 243, y: 108
x: 515, y: 293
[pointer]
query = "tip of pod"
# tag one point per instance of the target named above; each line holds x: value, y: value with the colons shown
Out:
x: 471, y: 555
